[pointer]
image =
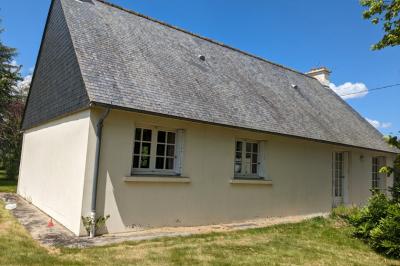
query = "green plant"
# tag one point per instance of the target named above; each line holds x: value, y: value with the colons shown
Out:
x: 395, y: 189
x: 393, y: 141
x: 386, y: 236
x: 98, y: 223
x: 378, y: 223
x: 369, y: 216
x: 344, y: 212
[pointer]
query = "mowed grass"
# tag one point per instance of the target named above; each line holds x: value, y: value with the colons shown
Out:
x: 7, y: 185
x: 317, y: 241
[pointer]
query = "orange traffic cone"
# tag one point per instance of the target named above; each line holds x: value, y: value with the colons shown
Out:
x: 50, y: 223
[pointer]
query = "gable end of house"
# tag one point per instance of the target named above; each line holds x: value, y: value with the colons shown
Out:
x: 57, y: 86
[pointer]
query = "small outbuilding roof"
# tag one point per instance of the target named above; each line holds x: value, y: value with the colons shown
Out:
x: 110, y: 56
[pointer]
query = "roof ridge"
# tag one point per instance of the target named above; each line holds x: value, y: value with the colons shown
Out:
x: 201, y: 37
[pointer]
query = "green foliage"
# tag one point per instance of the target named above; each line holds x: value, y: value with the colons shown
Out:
x: 386, y: 236
x: 11, y: 138
x: 11, y: 110
x: 395, y: 189
x: 378, y: 223
x: 99, y: 222
x: 385, y: 12
x: 9, y: 76
x: 369, y: 217
x: 394, y: 141
x: 7, y: 185
x: 344, y: 212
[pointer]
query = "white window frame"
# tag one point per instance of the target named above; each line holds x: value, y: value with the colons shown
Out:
x: 339, y: 174
x: 153, y: 153
x: 243, y: 175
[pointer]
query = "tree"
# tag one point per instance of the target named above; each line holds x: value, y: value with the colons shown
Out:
x: 386, y: 12
x: 9, y: 75
x: 11, y: 109
x: 395, y: 169
x: 10, y: 136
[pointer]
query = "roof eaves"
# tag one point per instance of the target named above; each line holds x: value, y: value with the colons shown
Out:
x: 122, y: 108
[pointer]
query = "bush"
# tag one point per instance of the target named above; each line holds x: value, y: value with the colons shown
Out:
x: 395, y: 189
x: 379, y: 224
x: 386, y: 236
x: 369, y: 217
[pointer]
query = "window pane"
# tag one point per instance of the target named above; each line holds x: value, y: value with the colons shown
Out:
x: 171, y: 138
x: 238, y: 168
x: 255, y: 147
x: 248, y: 155
x: 145, y: 162
x: 170, y: 150
x: 161, y: 137
x: 254, y: 159
x: 146, y: 148
x: 138, y: 134
x: 136, y: 150
x: 135, y: 161
x: 160, y: 149
x: 238, y: 155
x: 169, y: 164
x: 238, y: 146
x: 248, y: 147
x: 160, y: 163
x: 247, y: 168
x: 146, y: 135
x: 254, y: 169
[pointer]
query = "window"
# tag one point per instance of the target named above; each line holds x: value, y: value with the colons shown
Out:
x: 247, y: 159
x: 378, y: 179
x: 375, y: 173
x: 155, y: 151
x: 339, y: 174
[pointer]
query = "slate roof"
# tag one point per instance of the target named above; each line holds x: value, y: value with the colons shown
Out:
x: 133, y: 62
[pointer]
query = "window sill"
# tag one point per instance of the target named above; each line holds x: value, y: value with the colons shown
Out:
x: 156, y: 179
x: 251, y: 181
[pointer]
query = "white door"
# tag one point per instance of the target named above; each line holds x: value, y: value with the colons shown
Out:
x: 339, y: 177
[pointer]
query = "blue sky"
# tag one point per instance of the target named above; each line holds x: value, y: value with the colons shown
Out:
x: 297, y: 34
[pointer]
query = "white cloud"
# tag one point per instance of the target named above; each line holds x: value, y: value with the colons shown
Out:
x: 378, y: 124
x: 23, y: 85
x: 386, y: 124
x: 14, y: 63
x: 350, y: 90
x: 14, y: 66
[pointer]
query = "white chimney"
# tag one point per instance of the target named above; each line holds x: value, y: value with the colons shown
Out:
x: 321, y: 74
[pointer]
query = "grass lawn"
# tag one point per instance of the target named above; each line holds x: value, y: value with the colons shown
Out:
x: 7, y: 185
x: 314, y: 242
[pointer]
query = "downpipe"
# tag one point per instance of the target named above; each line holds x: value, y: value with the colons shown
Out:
x: 99, y: 133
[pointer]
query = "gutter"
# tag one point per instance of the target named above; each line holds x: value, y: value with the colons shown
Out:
x: 99, y: 132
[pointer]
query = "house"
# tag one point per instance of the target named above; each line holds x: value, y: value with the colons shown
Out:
x: 156, y: 126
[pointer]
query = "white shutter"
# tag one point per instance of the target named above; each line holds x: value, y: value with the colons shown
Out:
x: 131, y: 146
x: 262, y: 168
x: 180, y: 140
